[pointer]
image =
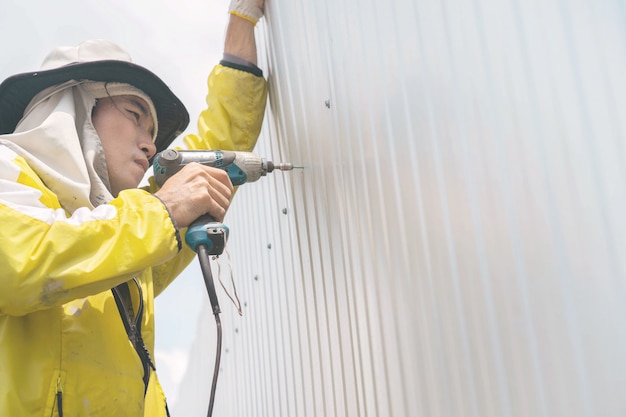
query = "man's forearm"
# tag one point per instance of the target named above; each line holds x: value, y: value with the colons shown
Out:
x: 240, y: 40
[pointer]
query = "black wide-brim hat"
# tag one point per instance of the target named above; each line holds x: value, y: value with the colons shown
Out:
x: 96, y: 60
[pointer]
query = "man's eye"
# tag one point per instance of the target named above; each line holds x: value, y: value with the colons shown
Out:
x: 136, y: 115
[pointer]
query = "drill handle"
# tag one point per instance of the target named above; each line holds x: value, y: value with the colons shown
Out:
x: 208, y: 232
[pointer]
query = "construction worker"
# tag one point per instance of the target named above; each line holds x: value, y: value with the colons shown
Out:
x: 83, y: 251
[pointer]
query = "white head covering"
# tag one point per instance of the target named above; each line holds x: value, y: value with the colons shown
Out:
x: 46, y: 116
x: 94, y: 60
x: 57, y: 138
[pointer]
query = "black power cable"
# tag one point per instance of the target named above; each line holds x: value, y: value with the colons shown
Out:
x: 205, y: 266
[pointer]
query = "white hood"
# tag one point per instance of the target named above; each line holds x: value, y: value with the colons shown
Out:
x: 58, y: 140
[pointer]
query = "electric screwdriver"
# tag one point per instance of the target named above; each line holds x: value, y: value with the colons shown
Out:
x: 241, y: 167
x: 206, y: 236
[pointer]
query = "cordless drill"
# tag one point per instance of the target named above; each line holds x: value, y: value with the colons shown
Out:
x: 206, y: 236
x: 241, y: 167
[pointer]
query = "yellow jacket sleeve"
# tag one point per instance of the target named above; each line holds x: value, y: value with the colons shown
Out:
x: 234, y: 114
x: 48, y: 259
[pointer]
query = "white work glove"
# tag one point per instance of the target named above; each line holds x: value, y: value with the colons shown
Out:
x: 251, y: 10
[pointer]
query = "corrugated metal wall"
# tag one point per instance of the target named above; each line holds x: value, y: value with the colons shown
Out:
x: 455, y: 245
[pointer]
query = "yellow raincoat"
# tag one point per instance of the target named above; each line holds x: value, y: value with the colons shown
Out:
x: 62, y: 339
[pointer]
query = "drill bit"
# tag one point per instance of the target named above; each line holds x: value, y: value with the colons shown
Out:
x: 286, y: 166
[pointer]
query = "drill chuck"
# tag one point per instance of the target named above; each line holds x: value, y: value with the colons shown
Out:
x: 281, y: 166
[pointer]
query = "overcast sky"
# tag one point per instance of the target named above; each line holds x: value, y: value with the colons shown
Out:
x: 178, y: 40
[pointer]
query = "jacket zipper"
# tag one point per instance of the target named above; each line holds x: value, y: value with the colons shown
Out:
x: 59, y: 393
x: 59, y: 397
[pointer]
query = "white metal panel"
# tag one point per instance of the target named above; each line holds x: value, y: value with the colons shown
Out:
x: 455, y: 244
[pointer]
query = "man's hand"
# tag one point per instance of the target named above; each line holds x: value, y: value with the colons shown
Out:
x: 196, y: 190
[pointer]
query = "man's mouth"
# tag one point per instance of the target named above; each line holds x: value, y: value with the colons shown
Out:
x: 143, y: 163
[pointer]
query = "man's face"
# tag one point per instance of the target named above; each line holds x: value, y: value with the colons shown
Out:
x: 125, y: 127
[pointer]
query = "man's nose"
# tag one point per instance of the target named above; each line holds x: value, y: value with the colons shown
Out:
x: 146, y: 145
